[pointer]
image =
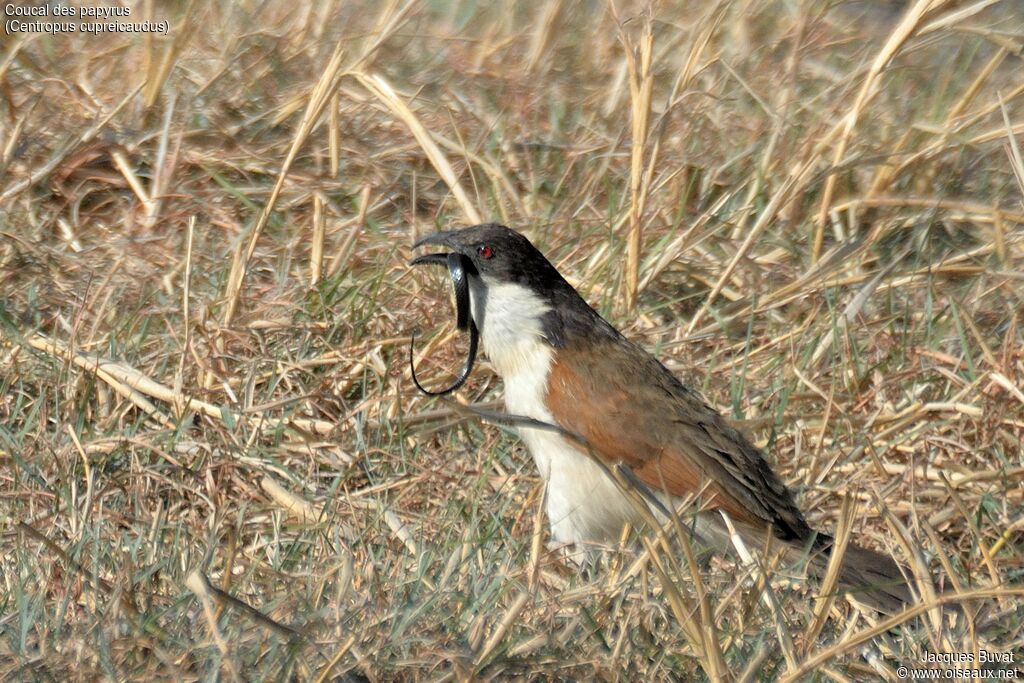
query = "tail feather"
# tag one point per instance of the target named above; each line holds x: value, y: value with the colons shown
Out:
x: 870, y: 577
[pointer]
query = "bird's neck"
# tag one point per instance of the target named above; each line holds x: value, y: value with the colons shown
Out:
x: 521, y: 328
x: 511, y: 319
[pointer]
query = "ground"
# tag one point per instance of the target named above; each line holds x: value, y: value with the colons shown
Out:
x: 214, y: 465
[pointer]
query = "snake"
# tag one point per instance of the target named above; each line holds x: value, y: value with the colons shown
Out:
x: 457, y: 266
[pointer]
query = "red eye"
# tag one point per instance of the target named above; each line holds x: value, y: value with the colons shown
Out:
x: 485, y: 251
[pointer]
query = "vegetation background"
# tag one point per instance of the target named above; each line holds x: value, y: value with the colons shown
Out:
x: 812, y: 211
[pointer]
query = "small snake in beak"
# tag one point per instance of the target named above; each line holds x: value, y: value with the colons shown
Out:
x: 460, y: 281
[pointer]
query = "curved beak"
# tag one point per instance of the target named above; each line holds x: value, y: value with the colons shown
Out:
x: 441, y: 258
x: 444, y: 239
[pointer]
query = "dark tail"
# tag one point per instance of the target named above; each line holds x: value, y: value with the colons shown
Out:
x: 872, y: 578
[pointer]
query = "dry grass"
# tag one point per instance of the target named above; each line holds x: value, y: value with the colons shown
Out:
x: 212, y: 469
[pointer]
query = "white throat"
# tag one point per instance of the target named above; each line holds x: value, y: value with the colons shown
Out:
x: 509, y: 317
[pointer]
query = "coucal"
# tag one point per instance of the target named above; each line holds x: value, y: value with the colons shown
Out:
x: 563, y: 364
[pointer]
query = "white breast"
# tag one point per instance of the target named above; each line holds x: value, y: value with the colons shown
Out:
x: 583, y: 504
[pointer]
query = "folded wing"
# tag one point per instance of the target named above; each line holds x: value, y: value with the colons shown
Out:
x: 631, y: 409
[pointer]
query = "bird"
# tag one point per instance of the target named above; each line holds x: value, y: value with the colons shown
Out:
x: 611, y: 403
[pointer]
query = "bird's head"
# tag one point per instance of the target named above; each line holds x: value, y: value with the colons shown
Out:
x: 503, y: 274
x: 516, y: 294
x: 493, y: 255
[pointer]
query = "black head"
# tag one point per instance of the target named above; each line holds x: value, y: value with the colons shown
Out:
x: 497, y: 254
